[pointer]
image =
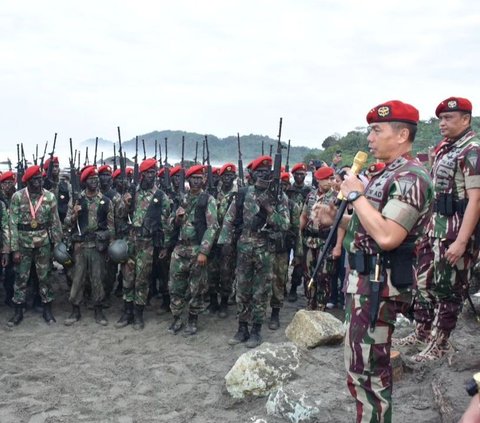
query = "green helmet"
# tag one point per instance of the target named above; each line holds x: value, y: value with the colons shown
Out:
x: 118, y: 251
x: 61, y: 255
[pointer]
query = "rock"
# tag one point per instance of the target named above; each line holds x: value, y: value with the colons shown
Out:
x: 309, y: 329
x: 262, y: 370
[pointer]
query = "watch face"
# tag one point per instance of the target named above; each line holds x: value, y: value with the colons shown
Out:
x: 352, y: 195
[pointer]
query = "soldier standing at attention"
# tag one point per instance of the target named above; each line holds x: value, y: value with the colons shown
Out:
x: 91, y: 222
x: 390, y: 216
x: 150, y: 213
x: 196, y: 224
x: 253, y: 216
x: 35, y: 226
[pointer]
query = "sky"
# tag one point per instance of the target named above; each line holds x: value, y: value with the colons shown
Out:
x: 221, y: 67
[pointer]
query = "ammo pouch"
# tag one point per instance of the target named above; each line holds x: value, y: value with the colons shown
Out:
x: 363, y: 263
x: 278, y: 242
x: 447, y: 206
x: 102, y: 241
x: 400, y: 262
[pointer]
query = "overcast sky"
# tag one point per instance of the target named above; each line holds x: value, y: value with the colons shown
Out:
x: 221, y: 67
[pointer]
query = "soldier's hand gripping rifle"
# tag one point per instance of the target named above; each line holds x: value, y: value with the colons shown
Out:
x: 210, y: 186
x: 48, y: 184
x: 75, y: 183
x: 241, y: 179
x: 358, y: 162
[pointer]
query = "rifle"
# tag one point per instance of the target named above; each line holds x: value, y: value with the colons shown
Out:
x: 166, y: 174
x: 160, y: 154
x: 263, y: 148
x: 276, y: 186
x: 48, y: 184
x: 86, y: 162
x: 24, y: 160
x: 156, y: 149
x: 203, y: 151
x: 196, y: 152
x: 95, y: 155
x: 144, y: 151
x: 210, y: 186
x: 181, y: 184
x: 271, y: 150
x: 9, y: 164
x: 287, y: 165
x: 42, y: 159
x: 136, y: 172
x: 75, y: 183
x: 123, y: 172
x: 35, y: 157
x: 241, y: 180
x: 20, y: 169
x: 114, y: 156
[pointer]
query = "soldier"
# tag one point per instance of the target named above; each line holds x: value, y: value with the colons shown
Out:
x: 453, y: 230
x: 220, y: 269
x: 390, y: 215
x: 298, y: 193
x: 314, y: 238
x: 150, y: 214
x: 195, y: 221
x: 90, y: 220
x: 53, y: 184
x: 290, y: 240
x: 254, y: 216
x: 34, y: 226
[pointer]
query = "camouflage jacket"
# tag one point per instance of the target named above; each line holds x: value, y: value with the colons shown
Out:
x: 299, y: 194
x: 120, y: 214
x: 49, y: 229
x: 5, y: 227
x: 278, y: 221
x: 402, y: 192
x: 456, y: 168
x: 294, y: 227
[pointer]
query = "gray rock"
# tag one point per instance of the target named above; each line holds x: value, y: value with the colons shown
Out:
x: 309, y: 329
x: 262, y: 370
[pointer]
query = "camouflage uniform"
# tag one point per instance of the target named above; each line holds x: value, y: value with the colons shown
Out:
x: 402, y: 193
x: 95, y: 221
x: 187, y: 280
x: 8, y: 275
x: 313, y: 243
x: 34, y: 244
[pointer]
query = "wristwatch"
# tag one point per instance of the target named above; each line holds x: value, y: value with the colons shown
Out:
x: 353, y: 195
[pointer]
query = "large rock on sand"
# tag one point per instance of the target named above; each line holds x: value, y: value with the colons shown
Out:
x: 262, y: 370
x: 309, y: 329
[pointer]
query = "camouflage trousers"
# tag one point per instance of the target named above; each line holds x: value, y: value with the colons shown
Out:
x: 137, y: 271
x: 89, y: 265
x: 280, y: 276
x: 441, y: 288
x: 221, y: 272
x: 254, y: 276
x: 41, y: 258
x: 188, y: 281
x: 319, y: 294
x: 367, y: 356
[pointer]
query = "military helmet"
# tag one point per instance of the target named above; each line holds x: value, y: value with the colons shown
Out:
x: 61, y: 255
x: 118, y: 251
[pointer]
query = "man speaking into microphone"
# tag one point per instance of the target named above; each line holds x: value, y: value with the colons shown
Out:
x: 390, y: 214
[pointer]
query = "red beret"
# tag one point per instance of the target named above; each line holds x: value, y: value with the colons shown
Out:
x: 215, y: 170
x: 116, y: 173
x: 47, y: 162
x: 285, y: 177
x: 174, y: 170
x: 7, y: 176
x: 87, y: 172
x: 160, y: 172
x: 249, y: 166
x: 30, y: 173
x: 148, y: 164
x: 323, y: 173
x: 105, y: 169
x: 227, y: 167
x: 129, y: 171
x: 299, y: 166
x: 194, y: 170
x: 262, y: 161
x: 454, y: 104
x: 375, y: 168
x: 393, y: 111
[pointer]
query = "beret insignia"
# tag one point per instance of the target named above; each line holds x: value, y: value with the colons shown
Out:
x: 452, y: 104
x: 383, y: 111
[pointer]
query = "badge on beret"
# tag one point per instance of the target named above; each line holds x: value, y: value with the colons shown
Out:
x: 452, y: 104
x: 229, y: 168
x: 383, y: 111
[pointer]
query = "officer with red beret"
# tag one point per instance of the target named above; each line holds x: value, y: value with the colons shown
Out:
x: 35, y: 226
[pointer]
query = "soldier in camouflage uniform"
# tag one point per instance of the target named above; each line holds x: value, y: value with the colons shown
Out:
x: 195, y: 222
x: 390, y: 216
x: 453, y: 231
x: 150, y: 214
x: 292, y: 240
x: 220, y: 269
x: 314, y: 238
x: 254, y: 218
x: 90, y: 220
x: 297, y: 192
x: 34, y: 226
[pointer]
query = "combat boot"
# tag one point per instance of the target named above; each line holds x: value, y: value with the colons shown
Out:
x: 292, y: 295
x: 242, y: 334
x: 255, y: 337
x: 191, y: 328
x: 165, y: 306
x: 274, y: 323
x: 213, y: 306
x: 176, y: 325
x: 99, y: 316
x: 17, y: 317
x: 127, y: 315
x: 74, y: 316
x: 47, y: 313
x: 223, y: 309
x: 138, y: 323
